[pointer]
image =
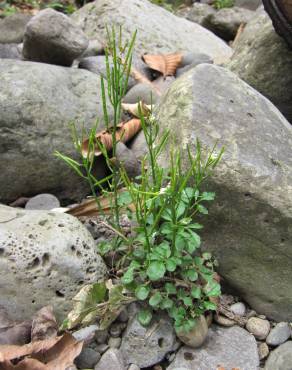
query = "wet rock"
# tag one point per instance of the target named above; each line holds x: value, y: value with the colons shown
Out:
x: 279, y: 334
x: 197, y: 336
x: 44, y: 257
x: 238, y: 308
x: 87, y: 359
x: 43, y: 202
x: 258, y: 327
x: 280, y: 358
x: 12, y: 28
x: 144, y: 353
x: 111, y: 360
x: 226, y: 347
x: 52, y: 37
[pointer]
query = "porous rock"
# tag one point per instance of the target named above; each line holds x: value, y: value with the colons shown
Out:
x: 45, y: 258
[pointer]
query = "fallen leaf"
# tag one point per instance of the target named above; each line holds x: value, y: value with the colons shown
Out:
x: 135, y: 111
x: 44, y: 324
x: 125, y: 131
x: 167, y: 64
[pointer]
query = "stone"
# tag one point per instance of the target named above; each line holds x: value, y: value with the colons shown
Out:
x: 253, y: 206
x: 197, y: 13
x: 52, y: 37
x: 141, y: 91
x: 196, y: 60
x: 258, y: 327
x: 145, y: 353
x: 12, y: 28
x: 85, y: 334
x: 45, y: 257
x: 225, y: 347
x: 102, y: 348
x: 9, y: 51
x: 280, y: 358
x: 125, y: 158
x: 101, y: 336
x: 133, y: 367
x: 248, y: 4
x: 224, y: 321
x: 263, y: 351
x: 87, y: 359
x: 43, y: 202
x: 111, y: 360
x: 114, y: 342
x: 225, y: 22
x: 154, y: 27
x: 30, y: 108
x: 94, y: 48
x: 138, y: 146
x: 279, y: 334
x: 265, y: 62
x: 123, y: 316
x: 197, y: 336
x: 238, y: 308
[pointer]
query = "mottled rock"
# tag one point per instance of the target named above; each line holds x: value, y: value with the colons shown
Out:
x: 52, y: 37
x: 263, y: 351
x: 111, y: 360
x: 160, y: 340
x: 94, y: 48
x: 265, y: 62
x: 85, y: 334
x: 114, y: 342
x: 30, y: 108
x: 280, y: 358
x: 45, y: 257
x: 279, y: 334
x: 87, y: 359
x: 12, y: 28
x: 253, y: 206
x: 43, y: 202
x: 225, y: 347
x: 258, y: 327
x: 155, y: 27
x: 197, y: 336
x: 238, y: 308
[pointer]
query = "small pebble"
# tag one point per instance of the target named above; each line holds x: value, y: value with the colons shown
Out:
x: 279, y: 334
x: 43, y: 202
x: 224, y: 321
x: 123, y: 316
x: 263, y: 350
x: 102, y: 348
x: 251, y: 313
x: 170, y: 356
x: 116, y: 329
x: 101, y: 336
x: 87, y: 359
x: 114, y: 342
x: 258, y: 327
x: 133, y: 367
x: 238, y: 309
x: 85, y: 334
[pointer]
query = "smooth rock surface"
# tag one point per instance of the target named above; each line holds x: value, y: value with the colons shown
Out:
x: 249, y: 224
x: 9, y: 51
x: 197, y: 336
x: 265, y: 62
x: 258, y: 327
x: 32, y: 108
x: 43, y: 202
x: 45, y: 258
x: 141, y: 91
x: 144, y: 353
x: 12, y: 28
x: 225, y: 347
x: 248, y: 4
x: 52, y: 37
x: 279, y: 334
x: 280, y: 358
x: 155, y: 27
x: 111, y: 360
x: 238, y: 308
x: 197, y: 13
x: 87, y: 359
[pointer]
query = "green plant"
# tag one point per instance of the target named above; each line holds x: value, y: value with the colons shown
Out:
x: 161, y: 264
x: 220, y: 4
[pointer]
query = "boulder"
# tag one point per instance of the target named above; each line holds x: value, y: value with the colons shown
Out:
x: 155, y: 28
x: 248, y: 4
x: 10, y: 51
x: 197, y: 13
x: 225, y: 22
x: 52, y: 37
x: 249, y: 224
x: 45, y: 258
x: 280, y: 358
x: 265, y: 62
x: 37, y: 104
x: 226, y: 348
x: 145, y: 353
x: 12, y: 28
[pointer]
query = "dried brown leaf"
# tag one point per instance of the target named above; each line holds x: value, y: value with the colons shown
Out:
x: 125, y: 131
x: 44, y: 324
x: 135, y: 111
x: 166, y: 64
x: 139, y: 77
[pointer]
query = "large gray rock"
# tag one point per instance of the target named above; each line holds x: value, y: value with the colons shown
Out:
x: 197, y: 13
x: 10, y: 51
x: 249, y: 224
x: 12, y: 28
x: 265, y: 62
x: 155, y: 27
x: 144, y: 353
x: 228, y: 348
x: 248, y: 4
x: 45, y: 258
x: 52, y: 37
x: 280, y: 358
x: 37, y: 103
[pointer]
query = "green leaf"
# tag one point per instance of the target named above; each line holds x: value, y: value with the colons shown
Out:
x: 188, y: 301
x: 128, y: 276
x: 170, y: 288
x: 166, y: 215
x: 144, y: 317
x: 124, y: 198
x: 195, y: 226
x: 134, y: 265
x: 166, y: 228
x: 207, y: 196
x: 180, y: 210
x: 196, y: 292
x: 171, y: 264
x: 155, y: 299
x: 202, y: 209
x: 210, y: 306
x: 206, y: 256
x: 192, y: 275
x: 142, y: 292
x: 187, y: 194
x: 156, y: 270
x: 166, y: 304
x: 212, y: 289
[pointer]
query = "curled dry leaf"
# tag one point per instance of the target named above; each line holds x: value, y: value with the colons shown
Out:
x: 135, y: 111
x: 125, y: 131
x: 44, y: 324
x: 166, y: 64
